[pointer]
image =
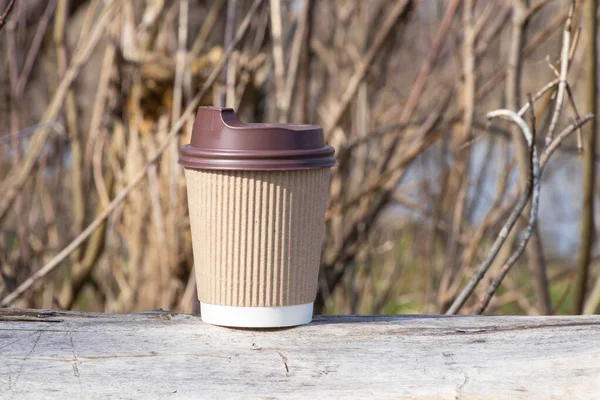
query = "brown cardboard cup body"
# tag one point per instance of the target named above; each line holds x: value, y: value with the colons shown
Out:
x: 257, y: 235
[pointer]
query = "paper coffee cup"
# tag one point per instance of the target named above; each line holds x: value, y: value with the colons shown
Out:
x: 256, y: 196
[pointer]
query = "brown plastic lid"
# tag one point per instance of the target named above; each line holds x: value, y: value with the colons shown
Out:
x: 221, y: 141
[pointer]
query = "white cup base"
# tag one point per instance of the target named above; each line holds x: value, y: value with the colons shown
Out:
x: 256, y: 317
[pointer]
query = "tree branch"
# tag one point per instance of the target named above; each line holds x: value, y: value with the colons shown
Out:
x: 191, y: 108
x: 534, y: 177
x: 6, y: 12
x: 512, y: 219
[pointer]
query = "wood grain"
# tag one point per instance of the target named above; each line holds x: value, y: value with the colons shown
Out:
x: 160, y: 355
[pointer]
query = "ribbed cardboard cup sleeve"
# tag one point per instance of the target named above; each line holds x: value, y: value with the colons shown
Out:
x: 257, y: 235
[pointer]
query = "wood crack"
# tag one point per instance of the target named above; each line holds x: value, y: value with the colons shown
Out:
x: 75, y: 362
x: 284, y: 360
x: 12, y: 386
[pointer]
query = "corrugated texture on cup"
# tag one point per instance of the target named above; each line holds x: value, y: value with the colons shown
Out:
x: 221, y: 141
x: 257, y: 235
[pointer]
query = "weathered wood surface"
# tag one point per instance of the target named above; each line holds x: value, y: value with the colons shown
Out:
x: 160, y: 355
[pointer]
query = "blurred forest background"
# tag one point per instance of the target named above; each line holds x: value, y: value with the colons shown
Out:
x: 97, y: 96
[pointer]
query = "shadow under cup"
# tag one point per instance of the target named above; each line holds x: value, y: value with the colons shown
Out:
x: 257, y: 218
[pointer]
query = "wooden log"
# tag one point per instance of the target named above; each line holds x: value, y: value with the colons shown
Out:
x: 152, y: 355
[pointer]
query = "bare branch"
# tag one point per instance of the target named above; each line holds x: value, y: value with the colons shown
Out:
x: 400, y: 7
x: 294, y: 62
x: 549, y: 150
x: 417, y: 88
x: 535, y: 182
x: 57, y: 126
x: 512, y: 219
x: 535, y: 8
x: 589, y: 166
x: 577, y: 116
x: 564, y: 70
x: 6, y: 12
x: 191, y: 108
x: 19, y: 173
x: 549, y: 86
x: 35, y: 46
x: 278, y: 60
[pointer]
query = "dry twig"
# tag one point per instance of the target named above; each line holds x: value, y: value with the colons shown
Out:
x: 535, y: 177
x: 589, y: 164
x: 564, y: 69
x: 19, y: 173
x: 512, y: 219
x: 400, y: 8
x: 50, y: 266
x: 6, y: 13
